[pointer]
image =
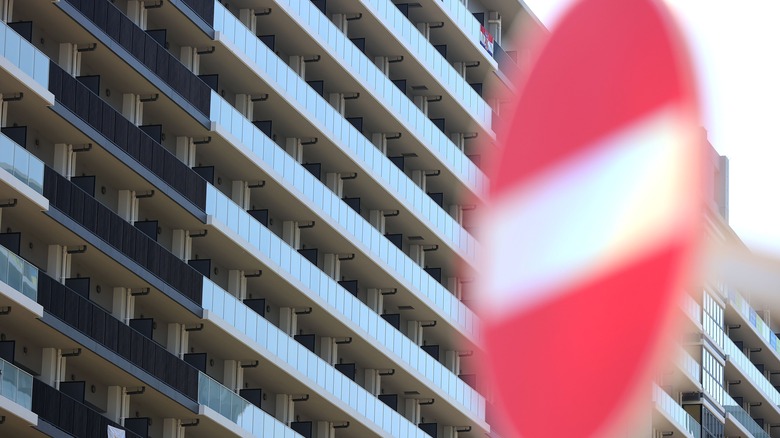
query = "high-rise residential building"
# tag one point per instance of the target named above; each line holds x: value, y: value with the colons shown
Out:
x: 244, y: 218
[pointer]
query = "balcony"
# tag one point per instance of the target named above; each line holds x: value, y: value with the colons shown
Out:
x: 20, y: 163
x: 18, y: 273
x: 673, y: 416
x: 739, y: 420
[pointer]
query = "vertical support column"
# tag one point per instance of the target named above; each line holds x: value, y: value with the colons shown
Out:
x: 247, y: 16
x: 58, y: 263
x: 137, y: 13
x: 422, y: 103
x: 340, y: 20
x: 455, y: 286
x: 335, y: 183
x: 132, y: 108
x: 291, y: 234
x: 452, y: 361
x: 185, y: 150
x: 425, y: 29
x: 294, y: 148
x: 379, y: 140
x: 324, y: 429
x: 181, y: 245
x: 372, y: 381
x: 172, y: 428
x: 245, y: 106
x: 456, y: 211
x: 70, y: 58
x: 336, y: 100
x: 460, y: 67
x: 190, y: 58
x: 64, y: 159
x: 6, y: 10
x: 494, y: 26
x: 128, y: 205
x: 375, y: 300
x: 118, y: 406
x: 51, y: 373
x: 459, y: 139
x: 285, y: 408
x: 237, y: 283
x: 383, y: 63
x: 412, y: 410
x: 288, y: 320
x: 417, y: 254
x: 448, y: 432
x: 419, y: 178
x: 240, y: 194
x: 329, y: 350
x: 332, y: 266
x: 234, y: 375
x: 3, y: 112
x: 122, y: 304
x: 298, y: 65
x: 415, y: 331
x: 377, y: 219
x: 177, y: 340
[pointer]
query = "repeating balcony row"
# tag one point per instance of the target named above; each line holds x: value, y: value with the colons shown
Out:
x: 278, y: 74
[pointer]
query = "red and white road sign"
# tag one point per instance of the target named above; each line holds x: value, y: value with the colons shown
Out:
x: 593, y: 219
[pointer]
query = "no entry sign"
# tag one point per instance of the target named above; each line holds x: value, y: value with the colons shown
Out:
x: 594, y: 215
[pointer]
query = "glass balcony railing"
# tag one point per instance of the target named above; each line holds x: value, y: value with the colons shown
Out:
x: 291, y: 264
x: 674, y: 411
x: 320, y: 196
x: 233, y: 407
x: 746, y: 367
x: 312, y: 19
x: 18, y: 273
x: 692, y: 308
x: 279, y: 75
x: 15, y: 384
x: 24, y: 55
x: 291, y: 353
x: 743, y: 417
x: 762, y: 329
x: 689, y: 364
x: 20, y: 163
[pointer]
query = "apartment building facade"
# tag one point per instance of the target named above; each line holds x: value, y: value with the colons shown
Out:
x: 244, y: 218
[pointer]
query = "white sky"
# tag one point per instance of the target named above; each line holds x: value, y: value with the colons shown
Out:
x: 735, y: 50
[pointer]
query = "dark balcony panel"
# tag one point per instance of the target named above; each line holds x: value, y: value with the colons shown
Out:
x: 442, y: 48
x: 269, y: 41
x: 357, y: 122
x: 314, y: 168
x: 86, y: 183
x: 254, y: 395
x: 23, y: 28
x: 396, y: 239
x: 92, y: 82
x: 138, y: 425
x: 150, y: 53
x: 79, y: 285
x: 16, y: 133
x: 307, y: 341
x: 469, y: 379
x: 476, y: 159
x: 8, y: 351
x: 351, y: 286
x: 304, y: 428
x: 439, y: 124
x: 353, y: 202
x: 390, y: 400
x: 256, y: 304
x: 433, y: 350
x: 507, y: 62
x: 318, y: 86
x: 148, y: 227
x: 348, y: 369
x: 321, y: 5
x: 398, y: 161
x: 159, y: 35
x: 205, y: 172
x: 153, y: 131
x: 204, y: 8
x: 144, y: 326
x: 211, y: 80
x: 404, y: 8
x: 11, y: 241
x: 74, y: 390
x: 260, y: 215
x: 431, y: 429
x: 309, y: 254
x: 394, y: 319
x: 477, y: 87
x: 480, y: 16
x: 401, y: 84
x: 360, y: 43
x: 437, y: 198
x: 197, y: 360
x: 203, y: 266
x: 435, y: 273
x: 266, y: 126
